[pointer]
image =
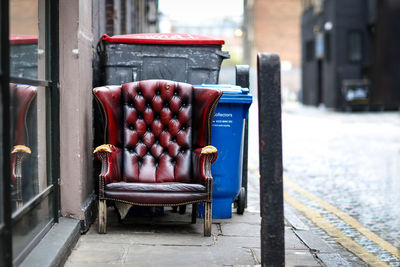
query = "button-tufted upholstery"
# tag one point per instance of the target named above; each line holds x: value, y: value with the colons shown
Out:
x: 155, y: 134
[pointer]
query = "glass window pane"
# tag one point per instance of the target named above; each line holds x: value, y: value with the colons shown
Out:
x: 28, y: 143
x: 29, y: 227
x: 27, y: 39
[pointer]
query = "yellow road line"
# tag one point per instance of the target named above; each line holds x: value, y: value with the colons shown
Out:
x: 331, y: 230
x: 346, y: 218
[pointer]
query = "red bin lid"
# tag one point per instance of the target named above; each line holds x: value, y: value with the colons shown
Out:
x: 163, y: 38
x: 23, y: 39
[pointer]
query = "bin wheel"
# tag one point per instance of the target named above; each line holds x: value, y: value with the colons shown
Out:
x: 182, y: 209
x: 241, y: 201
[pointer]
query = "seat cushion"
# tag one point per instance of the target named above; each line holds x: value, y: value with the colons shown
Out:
x: 156, y: 187
x: 162, y: 194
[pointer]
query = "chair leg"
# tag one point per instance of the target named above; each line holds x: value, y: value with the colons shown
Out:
x: 102, y: 216
x: 194, y: 212
x: 207, y: 218
x: 182, y: 209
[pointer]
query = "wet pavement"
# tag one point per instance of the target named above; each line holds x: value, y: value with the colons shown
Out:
x: 351, y: 161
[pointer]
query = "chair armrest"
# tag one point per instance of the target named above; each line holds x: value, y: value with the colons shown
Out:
x: 18, y: 154
x: 110, y: 157
x: 202, y: 159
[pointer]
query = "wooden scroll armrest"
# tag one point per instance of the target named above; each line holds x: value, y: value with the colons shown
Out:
x: 18, y: 154
x: 211, y: 152
x: 202, y: 160
x: 107, y: 148
x: 21, y: 149
x: 110, y: 157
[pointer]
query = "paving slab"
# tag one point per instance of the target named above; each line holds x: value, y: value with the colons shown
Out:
x: 230, y: 254
x: 82, y: 264
x: 152, y: 239
x: 145, y: 256
x: 89, y: 252
x: 313, y: 242
x: 300, y: 258
x: 296, y: 258
x: 247, y: 217
x: 333, y: 260
x: 172, y: 234
x: 292, y: 241
x: 292, y: 220
x: 240, y: 229
x: 238, y: 241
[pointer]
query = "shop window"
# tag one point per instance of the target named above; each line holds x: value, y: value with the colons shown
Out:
x: 29, y: 77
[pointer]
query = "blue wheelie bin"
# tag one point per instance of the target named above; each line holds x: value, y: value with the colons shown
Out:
x: 227, y: 136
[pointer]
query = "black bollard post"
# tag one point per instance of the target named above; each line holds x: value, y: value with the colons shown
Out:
x: 271, y: 172
x: 243, y: 80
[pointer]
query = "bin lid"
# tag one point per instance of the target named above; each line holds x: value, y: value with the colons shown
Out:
x: 23, y: 39
x: 231, y: 93
x: 163, y: 38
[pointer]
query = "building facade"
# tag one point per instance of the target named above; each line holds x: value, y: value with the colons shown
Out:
x: 277, y: 28
x: 47, y: 53
x: 273, y: 26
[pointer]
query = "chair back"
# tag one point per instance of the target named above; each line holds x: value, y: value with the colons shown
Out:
x: 156, y: 124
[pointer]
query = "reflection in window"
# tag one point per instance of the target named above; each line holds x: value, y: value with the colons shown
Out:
x: 354, y: 46
x: 27, y: 39
x: 24, y: 56
x: 32, y: 196
x: 28, y: 136
x: 27, y: 103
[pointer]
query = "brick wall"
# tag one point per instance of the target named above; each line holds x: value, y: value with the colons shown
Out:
x: 277, y: 28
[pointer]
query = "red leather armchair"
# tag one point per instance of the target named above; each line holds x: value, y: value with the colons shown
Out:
x: 157, y: 150
x: 21, y: 97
